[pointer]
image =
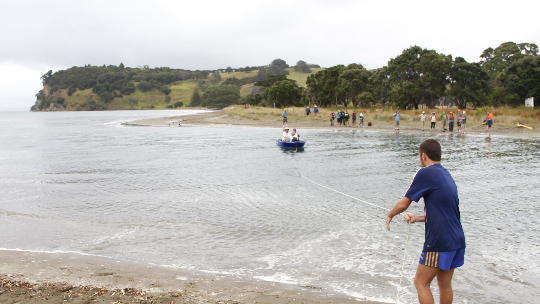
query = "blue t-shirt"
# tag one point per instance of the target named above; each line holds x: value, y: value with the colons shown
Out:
x: 397, y: 116
x: 441, y: 207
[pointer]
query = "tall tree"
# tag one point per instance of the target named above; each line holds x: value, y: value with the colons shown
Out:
x: 497, y: 60
x: 469, y: 83
x: 302, y: 66
x: 353, y: 81
x: 220, y: 96
x: 523, y: 80
x: 284, y: 93
x: 418, y: 75
x: 196, y: 97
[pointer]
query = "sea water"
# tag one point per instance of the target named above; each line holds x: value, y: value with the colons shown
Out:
x: 226, y: 200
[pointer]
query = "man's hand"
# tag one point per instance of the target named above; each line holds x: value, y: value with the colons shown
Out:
x: 388, y: 220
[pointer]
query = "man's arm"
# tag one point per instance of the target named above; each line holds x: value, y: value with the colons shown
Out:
x: 399, y: 207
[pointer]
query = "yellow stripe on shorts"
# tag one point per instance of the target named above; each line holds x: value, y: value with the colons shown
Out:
x: 432, y: 259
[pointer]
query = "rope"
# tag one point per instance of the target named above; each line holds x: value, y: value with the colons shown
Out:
x: 361, y: 200
x: 403, y: 263
x: 344, y: 193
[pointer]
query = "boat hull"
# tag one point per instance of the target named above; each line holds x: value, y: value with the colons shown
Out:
x: 292, y: 144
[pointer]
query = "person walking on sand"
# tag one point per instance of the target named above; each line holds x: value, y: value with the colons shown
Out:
x: 444, y: 245
x: 423, y: 119
x: 444, y: 118
x: 308, y: 111
x: 362, y: 119
x: 315, y: 111
x: 339, y: 118
x: 451, y: 122
x: 284, y: 119
x: 397, y: 116
x: 463, y: 122
x: 489, y: 122
x: 354, y: 118
x: 332, y: 116
x: 433, y: 121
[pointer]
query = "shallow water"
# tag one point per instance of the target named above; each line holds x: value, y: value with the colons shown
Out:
x: 227, y: 200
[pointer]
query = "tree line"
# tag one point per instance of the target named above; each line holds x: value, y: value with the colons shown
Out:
x: 110, y: 82
x: 504, y: 76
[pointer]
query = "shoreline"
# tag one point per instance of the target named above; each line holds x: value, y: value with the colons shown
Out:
x: 222, y: 118
x: 32, y: 277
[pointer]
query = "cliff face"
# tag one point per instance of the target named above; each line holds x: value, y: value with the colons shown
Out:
x: 45, y: 102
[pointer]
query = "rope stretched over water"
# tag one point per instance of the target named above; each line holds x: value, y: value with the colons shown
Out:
x: 363, y: 201
x: 344, y: 193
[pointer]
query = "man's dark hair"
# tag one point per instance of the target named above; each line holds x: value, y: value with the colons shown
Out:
x: 432, y: 148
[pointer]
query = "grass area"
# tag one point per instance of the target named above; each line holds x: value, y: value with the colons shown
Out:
x: 239, y: 75
x: 301, y: 78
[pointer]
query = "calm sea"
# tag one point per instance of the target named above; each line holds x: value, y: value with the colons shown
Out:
x: 226, y: 200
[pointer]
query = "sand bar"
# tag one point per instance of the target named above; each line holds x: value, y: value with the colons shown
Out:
x: 226, y: 118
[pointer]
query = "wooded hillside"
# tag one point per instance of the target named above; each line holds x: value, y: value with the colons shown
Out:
x: 504, y: 76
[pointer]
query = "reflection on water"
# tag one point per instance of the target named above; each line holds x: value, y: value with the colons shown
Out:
x: 199, y: 198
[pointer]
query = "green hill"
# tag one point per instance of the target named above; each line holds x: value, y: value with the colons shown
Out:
x: 103, y: 88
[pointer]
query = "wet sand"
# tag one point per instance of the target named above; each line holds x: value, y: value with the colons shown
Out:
x: 39, y: 277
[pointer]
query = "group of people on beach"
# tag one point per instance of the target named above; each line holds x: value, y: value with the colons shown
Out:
x: 343, y: 118
x: 460, y: 119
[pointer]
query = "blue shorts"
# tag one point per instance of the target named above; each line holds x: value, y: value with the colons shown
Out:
x: 445, y: 260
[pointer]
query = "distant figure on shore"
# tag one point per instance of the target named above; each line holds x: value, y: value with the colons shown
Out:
x: 458, y: 120
x: 433, y: 121
x: 315, y: 111
x: 423, y: 119
x: 294, y: 135
x: 444, y: 245
x: 284, y: 119
x: 463, y: 122
x: 451, y: 122
x: 397, y: 116
x: 444, y: 118
x: 354, y: 118
x: 362, y: 119
x: 339, y: 118
x: 286, y: 135
x: 308, y: 111
x: 332, y: 116
x: 489, y: 122
x: 347, y: 119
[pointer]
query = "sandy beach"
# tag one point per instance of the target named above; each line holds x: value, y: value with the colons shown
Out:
x: 40, y: 277
x: 235, y: 116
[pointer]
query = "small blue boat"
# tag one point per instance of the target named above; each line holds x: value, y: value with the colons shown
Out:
x: 290, y: 144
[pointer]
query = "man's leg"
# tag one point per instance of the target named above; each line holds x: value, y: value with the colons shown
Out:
x: 422, y: 280
x: 424, y: 277
x: 444, y: 279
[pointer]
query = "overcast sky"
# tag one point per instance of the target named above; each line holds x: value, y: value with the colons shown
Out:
x: 37, y: 36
